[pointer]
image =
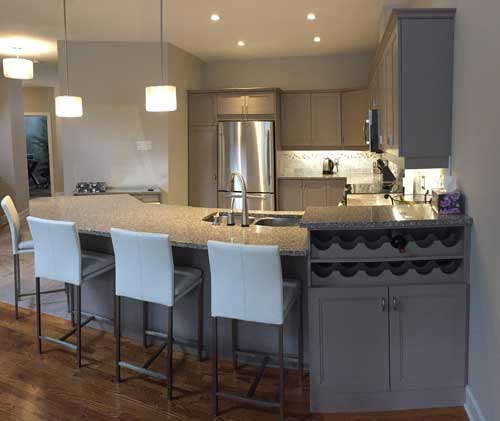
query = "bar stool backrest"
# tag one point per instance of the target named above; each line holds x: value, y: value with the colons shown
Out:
x: 13, y: 219
x: 58, y: 255
x: 246, y: 282
x: 144, y: 266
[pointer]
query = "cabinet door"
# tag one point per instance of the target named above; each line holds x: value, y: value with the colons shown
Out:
x: 260, y: 104
x: 202, y: 110
x: 313, y: 193
x: 203, y: 166
x: 295, y: 119
x: 428, y: 336
x: 290, y: 195
x: 326, y: 120
x: 354, y: 114
x: 348, y: 341
x: 395, y: 95
x: 335, y: 190
x: 231, y: 105
x: 381, y: 103
x: 388, y: 96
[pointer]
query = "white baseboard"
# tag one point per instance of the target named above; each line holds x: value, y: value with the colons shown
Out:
x: 471, y: 406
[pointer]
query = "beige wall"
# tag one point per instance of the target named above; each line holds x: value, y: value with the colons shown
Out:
x: 13, y: 168
x: 111, y: 78
x: 313, y: 72
x: 41, y: 100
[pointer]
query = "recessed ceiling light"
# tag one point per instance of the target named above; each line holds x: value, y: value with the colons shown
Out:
x: 311, y: 16
x: 241, y: 43
x: 215, y: 17
x: 316, y: 39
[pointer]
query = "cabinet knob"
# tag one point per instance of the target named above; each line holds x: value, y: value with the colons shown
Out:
x: 395, y: 304
x: 383, y: 304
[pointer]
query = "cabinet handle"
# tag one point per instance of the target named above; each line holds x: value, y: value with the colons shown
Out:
x: 395, y: 304
x: 242, y: 109
x: 383, y: 304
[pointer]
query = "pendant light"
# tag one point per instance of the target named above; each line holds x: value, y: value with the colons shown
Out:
x: 67, y: 105
x: 17, y: 68
x: 161, y: 97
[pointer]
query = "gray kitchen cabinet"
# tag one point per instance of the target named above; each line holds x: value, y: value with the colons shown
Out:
x: 290, y: 195
x: 295, y: 120
x: 335, y: 191
x: 313, y: 193
x: 202, y: 109
x: 413, y: 68
x: 202, y: 157
x: 354, y: 113
x: 326, y: 119
x: 428, y: 336
x: 231, y: 104
x: 238, y: 105
x: 349, y: 341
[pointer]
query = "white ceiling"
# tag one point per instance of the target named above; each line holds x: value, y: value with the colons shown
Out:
x: 270, y: 28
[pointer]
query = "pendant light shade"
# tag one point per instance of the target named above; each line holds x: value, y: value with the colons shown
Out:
x: 69, y: 106
x: 162, y: 97
x: 18, y: 68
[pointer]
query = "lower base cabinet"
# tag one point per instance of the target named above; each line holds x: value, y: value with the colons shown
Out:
x: 298, y: 194
x: 387, y: 347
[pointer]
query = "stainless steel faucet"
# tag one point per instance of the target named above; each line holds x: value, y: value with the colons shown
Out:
x: 244, y: 200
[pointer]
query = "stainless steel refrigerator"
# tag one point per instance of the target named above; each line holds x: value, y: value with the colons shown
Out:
x: 246, y: 147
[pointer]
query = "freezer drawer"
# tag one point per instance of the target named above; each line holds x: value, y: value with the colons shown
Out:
x: 265, y: 202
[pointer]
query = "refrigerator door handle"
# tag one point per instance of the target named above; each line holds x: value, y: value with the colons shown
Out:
x: 268, y: 157
x: 221, y: 159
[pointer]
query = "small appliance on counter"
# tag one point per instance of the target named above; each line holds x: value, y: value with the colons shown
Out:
x: 330, y: 167
x: 89, y: 187
x: 387, y: 175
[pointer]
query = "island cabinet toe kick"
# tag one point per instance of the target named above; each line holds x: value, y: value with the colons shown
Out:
x: 388, y: 314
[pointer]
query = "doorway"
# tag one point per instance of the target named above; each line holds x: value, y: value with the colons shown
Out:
x: 39, y: 154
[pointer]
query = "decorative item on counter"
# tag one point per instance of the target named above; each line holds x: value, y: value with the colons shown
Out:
x: 448, y: 203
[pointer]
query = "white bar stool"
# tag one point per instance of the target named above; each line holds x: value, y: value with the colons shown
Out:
x: 20, y: 245
x: 145, y: 271
x: 58, y: 256
x: 247, y: 284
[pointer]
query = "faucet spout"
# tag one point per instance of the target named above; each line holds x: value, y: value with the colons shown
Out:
x: 244, y: 198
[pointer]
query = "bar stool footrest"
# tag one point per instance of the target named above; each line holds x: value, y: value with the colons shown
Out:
x: 271, y: 355
x: 31, y: 294
x: 58, y: 342
x: 142, y: 370
x: 251, y: 401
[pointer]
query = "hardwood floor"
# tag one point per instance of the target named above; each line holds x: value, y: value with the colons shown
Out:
x: 49, y: 386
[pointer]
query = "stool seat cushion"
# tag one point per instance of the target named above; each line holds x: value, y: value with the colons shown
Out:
x: 94, y: 264
x: 185, y: 280
x: 26, y: 246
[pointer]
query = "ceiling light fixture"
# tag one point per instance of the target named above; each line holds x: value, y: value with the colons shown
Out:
x: 311, y: 16
x: 215, y: 17
x: 162, y: 97
x: 17, y: 68
x: 67, y: 105
x: 241, y: 43
x: 316, y: 39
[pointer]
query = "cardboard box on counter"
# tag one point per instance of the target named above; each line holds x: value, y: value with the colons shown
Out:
x: 448, y: 203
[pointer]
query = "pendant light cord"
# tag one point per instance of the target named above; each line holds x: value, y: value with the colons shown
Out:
x: 161, y: 43
x: 66, y: 47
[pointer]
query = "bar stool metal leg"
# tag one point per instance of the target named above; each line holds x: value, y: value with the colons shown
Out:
x: 170, y: 351
x: 118, y: 335
x: 282, y: 374
x: 16, y: 284
x: 144, y: 324
x: 79, y: 326
x: 38, y: 315
x: 200, y: 322
x: 215, y: 363
x: 234, y: 342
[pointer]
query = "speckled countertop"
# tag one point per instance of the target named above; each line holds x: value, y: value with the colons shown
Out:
x: 97, y: 214
x: 370, y: 217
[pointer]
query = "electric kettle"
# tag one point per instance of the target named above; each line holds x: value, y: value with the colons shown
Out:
x: 328, y: 166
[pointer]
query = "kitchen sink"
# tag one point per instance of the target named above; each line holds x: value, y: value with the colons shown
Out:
x: 223, y: 215
x: 279, y: 221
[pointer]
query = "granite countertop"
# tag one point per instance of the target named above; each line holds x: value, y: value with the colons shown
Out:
x: 372, y: 217
x: 97, y: 214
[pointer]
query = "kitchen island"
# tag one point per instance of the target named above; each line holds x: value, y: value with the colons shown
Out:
x: 386, y: 297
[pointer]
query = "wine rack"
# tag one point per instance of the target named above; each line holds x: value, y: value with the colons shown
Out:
x: 387, y: 256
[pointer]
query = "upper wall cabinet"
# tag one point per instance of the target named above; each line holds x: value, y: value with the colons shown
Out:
x: 315, y: 120
x: 240, y: 106
x: 202, y: 109
x: 411, y: 86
